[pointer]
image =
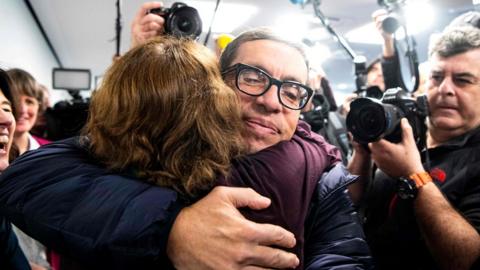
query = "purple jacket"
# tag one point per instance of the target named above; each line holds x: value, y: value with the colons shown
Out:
x: 287, y: 173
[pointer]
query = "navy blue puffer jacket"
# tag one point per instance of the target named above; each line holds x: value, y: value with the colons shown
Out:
x: 112, y: 221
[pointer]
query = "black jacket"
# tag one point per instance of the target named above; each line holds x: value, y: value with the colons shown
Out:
x: 11, y: 256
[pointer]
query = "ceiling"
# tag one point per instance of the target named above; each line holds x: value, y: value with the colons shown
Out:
x: 82, y: 32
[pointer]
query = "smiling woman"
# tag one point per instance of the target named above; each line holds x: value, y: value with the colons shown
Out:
x: 29, y: 96
x: 11, y: 256
x: 7, y: 120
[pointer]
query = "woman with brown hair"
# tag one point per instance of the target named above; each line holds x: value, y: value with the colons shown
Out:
x: 29, y: 97
x: 164, y: 113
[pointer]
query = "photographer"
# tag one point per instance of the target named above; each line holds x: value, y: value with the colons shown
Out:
x: 382, y: 71
x: 388, y: 63
x: 426, y: 214
x: 321, y: 114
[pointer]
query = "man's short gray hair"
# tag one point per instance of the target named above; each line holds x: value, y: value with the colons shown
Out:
x: 456, y: 40
x: 262, y: 33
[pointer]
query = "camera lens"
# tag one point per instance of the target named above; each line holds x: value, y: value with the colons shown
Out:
x: 185, y: 22
x: 369, y: 120
x: 390, y: 24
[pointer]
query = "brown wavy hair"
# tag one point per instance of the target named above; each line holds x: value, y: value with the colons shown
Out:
x: 164, y: 113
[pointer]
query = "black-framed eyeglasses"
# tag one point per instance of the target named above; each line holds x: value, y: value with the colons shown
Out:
x: 256, y: 82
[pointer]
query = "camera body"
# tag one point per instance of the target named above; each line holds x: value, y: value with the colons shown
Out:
x: 180, y: 20
x: 370, y: 119
x: 371, y: 92
x: 317, y: 117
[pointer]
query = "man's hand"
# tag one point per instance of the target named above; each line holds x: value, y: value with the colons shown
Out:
x: 359, y: 164
x: 212, y: 234
x: 345, y: 108
x: 401, y: 159
x: 388, y: 47
x: 145, y: 25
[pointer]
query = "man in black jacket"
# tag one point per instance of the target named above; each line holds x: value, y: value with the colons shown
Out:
x: 427, y: 214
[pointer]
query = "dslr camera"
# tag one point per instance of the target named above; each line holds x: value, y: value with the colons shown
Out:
x: 393, y: 21
x: 371, y: 92
x: 370, y: 119
x: 180, y: 20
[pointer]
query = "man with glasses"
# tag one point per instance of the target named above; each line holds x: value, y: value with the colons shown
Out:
x: 269, y: 74
x: 255, y: 82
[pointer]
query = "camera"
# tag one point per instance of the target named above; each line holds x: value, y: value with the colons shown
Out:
x: 370, y: 119
x: 67, y: 117
x: 317, y: 117
x: 390, y: 3
x: 180, y: 20
x: 371, y: 92
x: 393, y: 21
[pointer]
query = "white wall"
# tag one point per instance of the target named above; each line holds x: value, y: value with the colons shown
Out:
x: 23, y: 46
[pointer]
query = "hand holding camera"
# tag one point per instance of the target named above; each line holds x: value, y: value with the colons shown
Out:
x: 370, y: 120
x: 154, y: 19
x: 180, y: 20
x: 398, y: 159
x: 146, y: 25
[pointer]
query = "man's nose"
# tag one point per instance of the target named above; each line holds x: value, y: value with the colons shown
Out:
x: 447, y: 87
x: 269, y: 100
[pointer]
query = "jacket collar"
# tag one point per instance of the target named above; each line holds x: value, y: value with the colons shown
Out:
x: 460, y: 141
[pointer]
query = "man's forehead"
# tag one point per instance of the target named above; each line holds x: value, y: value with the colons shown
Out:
x: 466, y: 62
x: 275, y: 58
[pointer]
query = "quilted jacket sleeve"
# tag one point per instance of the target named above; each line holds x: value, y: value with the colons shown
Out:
x: 61, y: 198
x: 333, y: 234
